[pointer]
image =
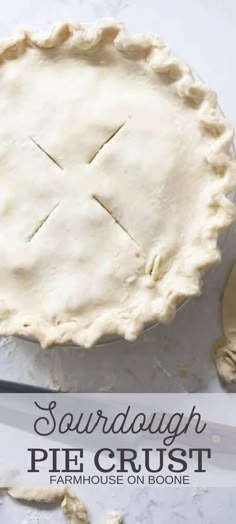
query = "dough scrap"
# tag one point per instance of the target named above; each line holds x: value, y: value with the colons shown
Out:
x: 225, y: 352
x: 225, y: 355
x: 113, y: 518
x: 41, y: 495
x: 74, y: 510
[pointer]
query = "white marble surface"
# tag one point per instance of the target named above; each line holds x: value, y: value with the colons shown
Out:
x: 137, y: 505
x: 200, y: 507
x: 167, y: 358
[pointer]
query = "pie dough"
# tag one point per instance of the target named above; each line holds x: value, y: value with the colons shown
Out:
x: 226, y: 350
x: 74, y: 510
x: 114, y: 171
x: 113, y: 518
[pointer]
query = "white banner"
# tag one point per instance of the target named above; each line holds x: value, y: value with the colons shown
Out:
x: 118, y: 439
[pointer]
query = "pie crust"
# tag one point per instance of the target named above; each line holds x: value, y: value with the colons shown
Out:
x: 114, y: 171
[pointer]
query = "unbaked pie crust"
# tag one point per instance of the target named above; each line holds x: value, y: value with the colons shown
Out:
x: 114, y: 171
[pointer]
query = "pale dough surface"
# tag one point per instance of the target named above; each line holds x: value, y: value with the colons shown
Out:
x: 42, y: 495
x: 113, y: 173
x: 74, y: 510
x: 226, y: 349
x: 113, y: 518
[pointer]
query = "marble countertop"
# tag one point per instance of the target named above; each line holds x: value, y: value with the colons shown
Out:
x: 172, y: 358
x: 137, y: 505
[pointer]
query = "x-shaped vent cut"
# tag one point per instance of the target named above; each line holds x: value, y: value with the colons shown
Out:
x: 96, y: 198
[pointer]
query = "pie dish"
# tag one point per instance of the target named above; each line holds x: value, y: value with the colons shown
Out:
x: 114, y: 171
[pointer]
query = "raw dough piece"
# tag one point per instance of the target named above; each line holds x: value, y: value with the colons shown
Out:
x: 113, y: 518
x: 40, y: 495
x: 74, y: 510
x: 226, y: 349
